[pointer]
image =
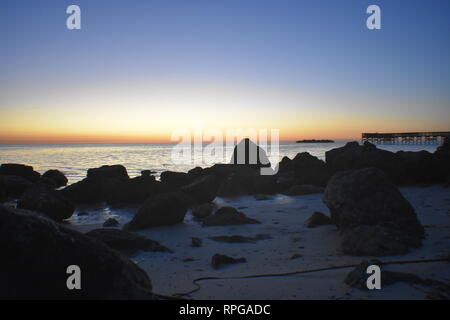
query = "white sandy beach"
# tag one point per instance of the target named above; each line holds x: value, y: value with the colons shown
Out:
x: 283, y: 218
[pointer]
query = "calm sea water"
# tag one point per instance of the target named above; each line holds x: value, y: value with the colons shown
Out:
x: 75, y: 159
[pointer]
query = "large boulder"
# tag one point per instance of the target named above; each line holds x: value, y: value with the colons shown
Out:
x: 354, y: 156
x: 159, y: 210
x: 126, y: 242
x: 373, y: 216
x: 133, y: 191
x: 310, y: 170
x: 226, y: 216
x: 239, y: 182
x: 203, y: 210
x: 44, y: 199
x: 202, y: 189
x: 36, y: 253
x: 57, y: 177
x: 14, y: 186
x: 20, y: 170
x: 421, y: 167
x: 109, y: 172
x: 442, y: 158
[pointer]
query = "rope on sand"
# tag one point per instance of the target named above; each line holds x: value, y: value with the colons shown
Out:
x: 196, y: 281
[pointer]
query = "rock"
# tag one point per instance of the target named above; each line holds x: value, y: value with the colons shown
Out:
x: 126, y: 242
x: 219, y: 260
x: 111, y: 222
x: 310, y: 170
x: 420, y: 167
x: 357, y: 278
x: 44, y: 199
x: 295, y: 256
x: 204, y: 210
x: 20, y: 170
x: 228, y: 216
x: 353, y: 156
x: 109, y: 172
x: 14, y: 186
x: 196, y: 242
x: 202, y: 189
x: 176, y: 179
x: 238, y: 183
x: 147, y: 173
x: 160, y: 210
x: 133, y: 191
x: 365, y: 203
x: 83, y: 213
x: 93, y: 190
x: 36, y: 253
x: 299, y: 190
x: 442, y: 159
x: 196, y: 172
x: 57, y: 177
x: 378, y: 240
x: 240, y: 239
x: 318, y: 219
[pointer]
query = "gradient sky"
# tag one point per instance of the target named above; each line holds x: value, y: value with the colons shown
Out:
x: 140, y: 69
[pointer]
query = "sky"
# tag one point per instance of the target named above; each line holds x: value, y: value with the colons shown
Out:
x: 140, y: 69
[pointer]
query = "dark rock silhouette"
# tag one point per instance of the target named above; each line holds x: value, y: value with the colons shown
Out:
x: 176, y: 179
x: 20, y: 170
x: 203, y: 189
x: 196, y: 242
x: 228, y: 216
x: 57, y: 177
x: 204, y: 210
x: 44, y: 199
x: 219, y: 260
x: 111, y: 222
x: 126, y: 242
x: 14, y: 186
x: 318, y: 219
x: 159, y: 210
x: 36, y: 253
x: 109, y: 172
x: 354, y: 156
x: 373, y: 216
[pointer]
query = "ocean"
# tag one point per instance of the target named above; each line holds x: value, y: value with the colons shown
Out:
x: 75, y: 159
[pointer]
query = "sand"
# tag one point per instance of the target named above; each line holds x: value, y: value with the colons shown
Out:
x: 283, y: 218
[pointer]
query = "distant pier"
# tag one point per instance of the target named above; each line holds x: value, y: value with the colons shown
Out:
x: 406, y: 137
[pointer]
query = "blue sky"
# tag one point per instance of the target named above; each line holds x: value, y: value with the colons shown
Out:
x: 202, y: 58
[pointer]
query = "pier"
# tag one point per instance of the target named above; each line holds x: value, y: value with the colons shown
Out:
x: 406, y: 137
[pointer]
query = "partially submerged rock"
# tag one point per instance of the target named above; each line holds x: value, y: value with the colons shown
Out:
x: 373, y: 216
x: 36, y: 253
x: 219, y: 260
x: 160, y: 210
x: 196, y: 242
x: 126, y: 242
x: 228, y: 216
x: 318, y: 219
x: 44, y: 199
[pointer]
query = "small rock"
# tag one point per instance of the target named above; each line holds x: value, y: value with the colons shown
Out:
x: 318, y: 219
x: 261, y: 197
x: 228, y: 216
x: 110, y: 222
x: 219, y: 260
x: 295, y: 256
x: 196, y: 242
